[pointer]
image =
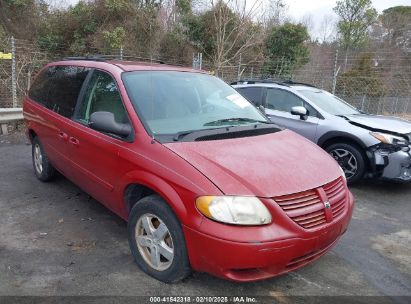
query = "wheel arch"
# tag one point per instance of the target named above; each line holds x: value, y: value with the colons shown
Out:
x: 142, y: 184
x: 339, y: 137
x: 342, y: 137
x: 31, y: 134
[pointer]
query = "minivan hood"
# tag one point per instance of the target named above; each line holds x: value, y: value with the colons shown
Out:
x: 266, y: 165
x: 379, y: 122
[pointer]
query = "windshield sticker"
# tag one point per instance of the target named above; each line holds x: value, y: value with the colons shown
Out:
x: 238, y: 100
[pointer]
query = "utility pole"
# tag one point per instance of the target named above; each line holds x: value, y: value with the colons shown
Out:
x: 239, y: 69
x: 336, y: 70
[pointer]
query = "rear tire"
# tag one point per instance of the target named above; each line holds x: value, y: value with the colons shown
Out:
x: 351, y: 160
x: 41, y: 164
x: 161, y: 249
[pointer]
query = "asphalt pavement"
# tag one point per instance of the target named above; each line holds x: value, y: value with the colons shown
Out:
x: 55, y: 240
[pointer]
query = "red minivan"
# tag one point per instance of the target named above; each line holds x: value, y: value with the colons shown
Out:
x: 204, y: 179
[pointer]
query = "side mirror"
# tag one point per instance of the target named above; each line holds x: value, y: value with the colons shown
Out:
x: 105, y: 122
x: 301, y: 111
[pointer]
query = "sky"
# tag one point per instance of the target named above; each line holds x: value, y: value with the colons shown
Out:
x: 319, y: 8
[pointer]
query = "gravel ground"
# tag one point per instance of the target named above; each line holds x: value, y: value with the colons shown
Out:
x: 55, y: 240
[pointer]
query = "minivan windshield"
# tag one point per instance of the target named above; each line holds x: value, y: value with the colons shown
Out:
x: 329, y: 102
x: 171, y: 102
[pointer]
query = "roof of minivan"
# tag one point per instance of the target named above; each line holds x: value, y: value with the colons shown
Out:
x: 128, y: 66
x: 145, y: 66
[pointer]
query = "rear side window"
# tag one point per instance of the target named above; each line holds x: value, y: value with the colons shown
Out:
x: 253, y: 94
x: 40, y: 89
x: 67, y: 83
x: 58, y: 88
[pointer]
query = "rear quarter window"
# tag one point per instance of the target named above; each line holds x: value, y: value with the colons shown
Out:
x: 58, y: 88
x: 39, y: 90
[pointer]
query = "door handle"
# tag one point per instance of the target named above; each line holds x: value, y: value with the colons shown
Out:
x: 63, y: 136
x: 74, y: 141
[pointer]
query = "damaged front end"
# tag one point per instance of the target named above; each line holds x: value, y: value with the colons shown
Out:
x: 391, y: 159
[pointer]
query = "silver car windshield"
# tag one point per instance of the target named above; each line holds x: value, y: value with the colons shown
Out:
x: 170, y: 102
x: 329, y: 102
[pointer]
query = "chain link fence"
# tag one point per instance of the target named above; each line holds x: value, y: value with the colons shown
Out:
x: 377, y: 82
x: 374, y: 82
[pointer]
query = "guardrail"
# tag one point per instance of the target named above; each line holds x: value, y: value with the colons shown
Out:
x: 8, y: 115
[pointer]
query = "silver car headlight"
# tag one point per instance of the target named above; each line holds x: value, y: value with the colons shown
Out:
x: 237, y: 210
x: 389, y: 138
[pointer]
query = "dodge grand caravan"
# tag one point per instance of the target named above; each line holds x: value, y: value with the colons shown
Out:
x: 205, y: 180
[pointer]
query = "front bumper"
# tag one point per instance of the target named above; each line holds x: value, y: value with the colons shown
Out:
x: 253, y: 260
x: 395, y: 165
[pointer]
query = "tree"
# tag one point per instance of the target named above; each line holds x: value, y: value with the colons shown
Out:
x: 397, y: 22
x: 21, y: 18
x: 286, y: 43
x: 327, y: 29
x: 115, y: 38
x: 362, y: 80
x: 226, y: 31
x: 275, y: 13
x: 356, y: 16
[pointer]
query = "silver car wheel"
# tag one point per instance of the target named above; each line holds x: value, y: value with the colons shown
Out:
x: 346, y: 160
x: 154, y: 242
x: 38, y: 159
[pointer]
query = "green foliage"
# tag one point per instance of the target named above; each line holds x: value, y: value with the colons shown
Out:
x: 286, y: 46
x: 356, y: 16
x: 2, y: 33
x: 201, y: 32
x: 115, y: 38
x: 115, y: 5
x: 183, y: 6
x: 219, y: 33
x: 397, y: 11
x: 175, y: 46
x: 49, y: 41
x: 19, y: 3
x: 397, y: 20
x: 148, y: 3
x: 362, y: 80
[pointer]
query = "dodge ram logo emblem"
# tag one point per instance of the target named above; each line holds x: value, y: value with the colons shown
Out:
x: 327, y: 205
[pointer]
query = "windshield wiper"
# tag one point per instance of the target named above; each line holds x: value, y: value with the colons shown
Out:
x: 235, y: 119
x: 181, y: 134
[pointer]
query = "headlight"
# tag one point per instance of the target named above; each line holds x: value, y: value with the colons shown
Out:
x: 390, y: 139
x: 237, y: 210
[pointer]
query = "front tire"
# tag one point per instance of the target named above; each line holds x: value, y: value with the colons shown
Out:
x: 41, y: 164
x: 156, y: 240
x: 351, y: 160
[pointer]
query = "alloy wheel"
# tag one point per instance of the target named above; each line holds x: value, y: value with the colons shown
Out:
x: 154, y: 242
x: 347, y: 161
x: 38, y: 159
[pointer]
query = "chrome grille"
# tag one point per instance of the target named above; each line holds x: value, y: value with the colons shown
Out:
x: 307, y: 208
x: 336, y: 194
